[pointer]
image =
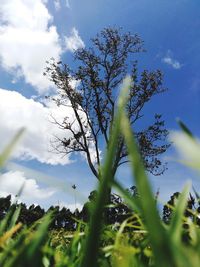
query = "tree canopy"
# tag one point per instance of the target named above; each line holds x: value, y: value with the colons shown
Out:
x: 98, y: 73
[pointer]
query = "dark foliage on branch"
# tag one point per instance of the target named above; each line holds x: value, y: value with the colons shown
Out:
x: 99, y: 72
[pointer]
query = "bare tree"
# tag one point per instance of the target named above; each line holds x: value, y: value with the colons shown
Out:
x: 99, y: 72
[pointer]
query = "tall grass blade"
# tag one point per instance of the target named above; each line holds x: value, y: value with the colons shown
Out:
x: 133, y: 203
x: 92, y: 241
x: 4, y: 156
x: 185, y: 129
x: 7, y: 235
x: 160, y: 243
x: 14, y: 217
x: 10, y: 219
x: 29, y: 245
x: 176, y: 224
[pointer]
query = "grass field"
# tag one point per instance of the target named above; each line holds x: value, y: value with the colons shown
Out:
x: 152, y: 244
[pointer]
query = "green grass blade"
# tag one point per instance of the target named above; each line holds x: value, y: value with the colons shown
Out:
x: 185, y: 129
x: 175, y: 228
x: 4, y: 156
x: 160, y: 243
x: 28, y: 246
x: 14, y: 217
x: 40, y: 234
x: 133, y: 203
x: 92, y: 242
x: 10, y: 219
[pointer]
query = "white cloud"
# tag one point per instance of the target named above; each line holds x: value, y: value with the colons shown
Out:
x: 74, y: 41
x: 174, y: 63
x: 168, y: 59
x: 27, y: 40
x: 16, y: 112
x: 38, y: 119
x: 67, y: 4
x: 11, y: 182
x: 57, y: 5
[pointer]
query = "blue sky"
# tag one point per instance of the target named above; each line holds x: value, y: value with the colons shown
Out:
x: 33, y: 31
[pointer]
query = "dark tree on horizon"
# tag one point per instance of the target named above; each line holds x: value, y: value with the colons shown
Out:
x: 99, y: 71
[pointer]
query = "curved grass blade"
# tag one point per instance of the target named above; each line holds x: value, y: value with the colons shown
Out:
x: 28, y: 246
x: 175, y: 227
x: 163, y: 252
x: 10, y: 219
x: 185, y: 128
x: 91, y: 249
x: 7, y: 235
x: 4, y: 156
x: 133, y: 203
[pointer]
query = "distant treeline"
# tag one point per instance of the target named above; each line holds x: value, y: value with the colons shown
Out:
x: 115, y: 213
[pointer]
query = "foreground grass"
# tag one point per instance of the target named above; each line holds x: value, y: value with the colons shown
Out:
x: 150, y: 244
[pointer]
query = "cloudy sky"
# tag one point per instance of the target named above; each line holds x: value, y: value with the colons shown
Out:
x: 33, y: 31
